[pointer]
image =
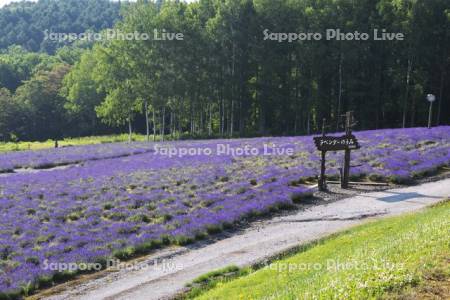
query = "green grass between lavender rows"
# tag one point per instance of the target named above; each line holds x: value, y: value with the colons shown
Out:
x: 88, y: 140
x: 19, y: 146
x: 379, y: 259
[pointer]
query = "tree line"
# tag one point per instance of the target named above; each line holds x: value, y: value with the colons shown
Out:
x: 226, y: 79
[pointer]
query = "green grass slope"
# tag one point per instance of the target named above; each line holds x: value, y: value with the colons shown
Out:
x: 406, y: 256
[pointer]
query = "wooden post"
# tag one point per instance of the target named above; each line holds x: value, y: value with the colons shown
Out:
x: 322, y: 181
x: 346, y: 168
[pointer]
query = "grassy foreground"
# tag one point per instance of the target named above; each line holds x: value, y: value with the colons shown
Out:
x: 406, y: 256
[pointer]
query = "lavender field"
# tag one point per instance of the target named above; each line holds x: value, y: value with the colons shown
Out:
x: 122, y: 200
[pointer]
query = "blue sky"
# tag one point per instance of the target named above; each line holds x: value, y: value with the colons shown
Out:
x: 3, y: 2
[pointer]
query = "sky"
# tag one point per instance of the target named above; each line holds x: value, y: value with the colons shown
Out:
x: 4, y: 2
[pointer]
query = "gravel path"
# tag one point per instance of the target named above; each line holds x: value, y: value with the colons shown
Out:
x: 175, y: 267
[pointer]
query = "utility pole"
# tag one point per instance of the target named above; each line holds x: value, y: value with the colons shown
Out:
x: 431, y: 98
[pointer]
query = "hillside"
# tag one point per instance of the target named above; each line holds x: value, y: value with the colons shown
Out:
x: 24, y: 23
x: 396, y: 258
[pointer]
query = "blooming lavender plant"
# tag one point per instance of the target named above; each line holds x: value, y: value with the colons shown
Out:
x: 124, y: 200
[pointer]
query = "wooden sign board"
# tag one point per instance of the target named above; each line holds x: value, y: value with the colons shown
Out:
x: 333, y: 143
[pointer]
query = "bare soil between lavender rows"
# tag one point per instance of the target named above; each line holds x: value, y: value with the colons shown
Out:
x: 91, y: 286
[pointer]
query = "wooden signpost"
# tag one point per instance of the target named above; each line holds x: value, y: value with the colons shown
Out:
x: 332, y: 143
x: 345, y: 143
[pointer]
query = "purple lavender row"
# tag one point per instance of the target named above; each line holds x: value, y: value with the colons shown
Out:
x: 53, y: 157
x: 126, y: 206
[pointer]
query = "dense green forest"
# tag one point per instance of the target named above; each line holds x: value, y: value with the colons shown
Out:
x: 225, y: 77
x: 25, y: 23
